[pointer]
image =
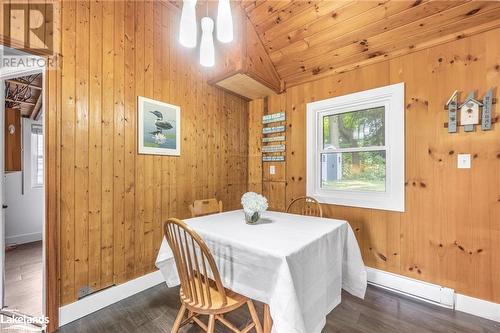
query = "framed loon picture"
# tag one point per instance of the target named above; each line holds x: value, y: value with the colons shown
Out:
x: 159, y: 127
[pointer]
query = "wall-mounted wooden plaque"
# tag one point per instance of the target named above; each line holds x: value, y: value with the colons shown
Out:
x: 273, y: 148
x: 273, y: 118
x: 274, y: 139
x: 486, y: 116
x: 273, y: 158
x: 274, y: 129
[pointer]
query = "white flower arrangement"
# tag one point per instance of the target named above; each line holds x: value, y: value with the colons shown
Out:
x: 253, y: 203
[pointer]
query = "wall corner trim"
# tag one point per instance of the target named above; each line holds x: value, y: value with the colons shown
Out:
x: 106, y: 297
x: 433, y: 293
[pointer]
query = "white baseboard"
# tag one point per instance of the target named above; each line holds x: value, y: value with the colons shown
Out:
x: 23, y: 238
x: 101, y: 299
x: 421, y: 290
x: 477, y: 307
x: 433, y: 293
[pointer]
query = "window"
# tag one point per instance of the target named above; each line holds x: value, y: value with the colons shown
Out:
x: 355, y: 149
x: 37, y: 155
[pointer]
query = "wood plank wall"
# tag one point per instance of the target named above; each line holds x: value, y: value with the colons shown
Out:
x: 112, y: 201
x: 450, y: 232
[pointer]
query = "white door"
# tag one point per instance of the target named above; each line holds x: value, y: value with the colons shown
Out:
x: 2, y: 193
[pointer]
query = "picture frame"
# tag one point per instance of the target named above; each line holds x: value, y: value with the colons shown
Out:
x: 158, y: 127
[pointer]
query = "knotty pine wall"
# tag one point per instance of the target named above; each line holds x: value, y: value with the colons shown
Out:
x: 111, y: 201
x: 450, y: 232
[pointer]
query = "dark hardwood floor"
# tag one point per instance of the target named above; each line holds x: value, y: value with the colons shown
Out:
x: 154, y: 310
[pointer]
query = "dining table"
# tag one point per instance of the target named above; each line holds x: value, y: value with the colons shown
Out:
x: 296, y: 265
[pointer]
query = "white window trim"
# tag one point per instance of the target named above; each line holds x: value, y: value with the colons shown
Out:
x: 392, y: 97
x: 33, y: 158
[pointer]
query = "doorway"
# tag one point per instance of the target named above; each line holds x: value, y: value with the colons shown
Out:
x: 22, y: 195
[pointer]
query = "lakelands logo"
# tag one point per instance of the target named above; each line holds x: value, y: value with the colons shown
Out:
x: 12, y: 320
x: 28, y: 27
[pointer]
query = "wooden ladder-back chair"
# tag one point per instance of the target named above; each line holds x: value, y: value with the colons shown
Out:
x: 200, y: 294
x: 305, y: 206
x: 205, y: 207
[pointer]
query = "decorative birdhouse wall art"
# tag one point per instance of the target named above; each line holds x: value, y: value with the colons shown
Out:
x: 467, y: 114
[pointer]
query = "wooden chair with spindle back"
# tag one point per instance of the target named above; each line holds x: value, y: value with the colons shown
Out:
x: 200, y: 294
x: 205, y: 207
x: 305, y: 206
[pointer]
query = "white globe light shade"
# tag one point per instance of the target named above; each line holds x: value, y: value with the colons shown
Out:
x: 188, y: 32
x: 224, y: 22
x: 207, y: 50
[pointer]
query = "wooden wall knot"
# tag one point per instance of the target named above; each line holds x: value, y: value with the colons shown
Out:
x: 375, y: 54
x: 415, y: 267
x: 471, y: 58
x: 472, y: 12
x: 416, y: 3
x: 460, y: 247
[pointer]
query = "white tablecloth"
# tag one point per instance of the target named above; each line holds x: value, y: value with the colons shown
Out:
x: 296, y: 264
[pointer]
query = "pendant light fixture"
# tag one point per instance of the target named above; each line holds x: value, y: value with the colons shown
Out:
x: 207, y: 50
x: 224, y: 22
x: 188, y: 31
x: 189, y: 28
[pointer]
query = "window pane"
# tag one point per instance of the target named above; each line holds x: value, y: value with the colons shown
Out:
x: 37, y: 155
x: 363, y: 128
x: 356, y: 171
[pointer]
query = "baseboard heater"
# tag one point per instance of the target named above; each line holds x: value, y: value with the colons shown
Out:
x: 411, y: 287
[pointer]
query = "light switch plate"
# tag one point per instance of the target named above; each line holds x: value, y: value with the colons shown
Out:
x: 463, y: 161
x: 272, y: 169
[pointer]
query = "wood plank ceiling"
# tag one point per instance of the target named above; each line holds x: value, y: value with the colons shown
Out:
x: 310, y: 39
x: 25, y: 93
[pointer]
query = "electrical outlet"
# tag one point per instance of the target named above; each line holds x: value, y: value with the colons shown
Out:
x: 463, y: 161
x: 272, y: 170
